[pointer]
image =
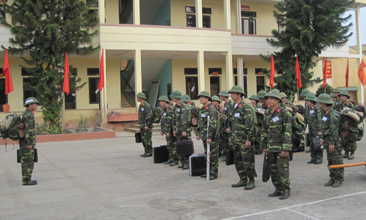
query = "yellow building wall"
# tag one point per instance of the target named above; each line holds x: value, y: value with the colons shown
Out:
x: 112, y: 12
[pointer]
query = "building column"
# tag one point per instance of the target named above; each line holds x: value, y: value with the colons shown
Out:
x: 136, y: 12
x: 101, y: 11
x: 229, y: 70
x: 239, y: 24
x: 103, y: 93
x: 227, y: 15
x: 201, y: 71
x: 359, y: 50
x: 138, y: 74
x: 240, y: 67
x: 199, y: 17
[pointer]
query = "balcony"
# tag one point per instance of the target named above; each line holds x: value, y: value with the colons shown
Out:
x: 251, y: 45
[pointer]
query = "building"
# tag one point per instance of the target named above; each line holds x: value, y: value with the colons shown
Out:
x: 164, y: 45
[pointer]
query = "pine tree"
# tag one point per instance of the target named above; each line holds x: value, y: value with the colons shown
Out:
x: 309, y: 27
x: 46, y: 30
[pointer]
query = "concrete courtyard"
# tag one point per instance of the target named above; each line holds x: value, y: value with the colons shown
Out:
x: 107, y: 179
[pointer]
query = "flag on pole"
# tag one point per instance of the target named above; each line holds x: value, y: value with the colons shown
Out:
x: 271, y: 82
x: 101, y: 71
x: 8, y: 81
x: 298, y: 75
x: 347, y: 74
x: 361, y: 73
x: 66, y: 88
x: 324, y: 74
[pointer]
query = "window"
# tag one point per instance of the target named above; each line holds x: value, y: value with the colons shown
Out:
x: 2, y: 12
x: 258, y: 71
x: 27, y: 91
x: 191, y: 17
x: 3, y: 97
x: 249, y: 21
x: 260, y: 83
x: 92, y: 5
x: 215, y: 71
x: 93, y: 74
x: 245, y: 71
x: 191, y: 82
x: 70, y: 100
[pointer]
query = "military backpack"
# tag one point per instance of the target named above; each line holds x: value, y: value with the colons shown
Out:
x: 156, y: 118
x: 12, y: 127
x: 349, y: 126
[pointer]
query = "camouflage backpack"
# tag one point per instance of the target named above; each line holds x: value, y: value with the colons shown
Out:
x: 12, y: 127
x: 156, y: 118
x: 349, y: 125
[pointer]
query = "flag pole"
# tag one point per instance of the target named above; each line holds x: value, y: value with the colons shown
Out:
x: 63, y: 112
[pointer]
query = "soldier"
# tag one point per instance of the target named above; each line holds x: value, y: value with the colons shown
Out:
x: 276, y: 143
x: 331, y: 139
x: 343, y: 102
x: 334, y: 99
x: 209, y: 136
x: 263, y: 101
x: 27, y: 144
x: 215, y: 101
x: 243, y: 134
x: 254, y: 101
x: 167, y: 130
x: 224, y: 136
x: 336, y: 92
x: 284, y: 99
x: 145, y: 117
x: 181, y: 124
x: 312, y: 118
x: 187, y: 100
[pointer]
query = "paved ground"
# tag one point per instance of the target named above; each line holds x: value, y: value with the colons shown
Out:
x: 106, y: 179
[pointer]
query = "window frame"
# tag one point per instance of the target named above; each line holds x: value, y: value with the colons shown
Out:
x: 206, y: 14
x: 193, y: 74
x: 246, y: 16
x: 93, y: 76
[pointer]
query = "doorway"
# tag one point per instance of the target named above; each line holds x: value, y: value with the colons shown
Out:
x: 214, y: 85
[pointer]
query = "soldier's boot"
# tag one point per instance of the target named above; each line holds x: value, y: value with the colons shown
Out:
x: 351, y: 156
x: 174, y: 163
x: 204, y: 175
x: 311, y: 161
x: 275, y: 193
x: 185, y: 166
x: 329, y: 183
x: 345, y: 155
x: 31, y: 183
x: 337, y: 183
x: 213, y: 176
x: 143, y: 155
x: 284, y: 195
x: 240, y: 183
x: 169, y: 161
x: 318, y: 162
x: 147, y: 155
x: 250, y: 185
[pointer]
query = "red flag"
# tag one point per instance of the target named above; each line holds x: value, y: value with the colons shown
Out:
x: 271, y: 82
x: 298, y: 75
x: 8, y: 81
x: 347, y: 74
x: 361, y: 73
x: 66, y: 88
x: 101, y: 71
x: 325, y: 74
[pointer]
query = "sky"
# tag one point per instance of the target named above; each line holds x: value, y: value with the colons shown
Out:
x: 353, y: 39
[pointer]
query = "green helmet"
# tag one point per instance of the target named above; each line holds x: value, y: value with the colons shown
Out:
x: 304, y: 92
x: 176, y: 94
x: 261, y: 94
x: 332, y: 95
x: 345, y: 93
x: 283, y: 95
x: 237, y: 89
x: 337, y: 90
x: 163, y: 98
x: 324, y: 98
x: 186, y: 98
x: 310, y: 97
x: 205, y: 94
x: 30, y: 100
x: 274, y: 93
x: 215, y: 98
x: 224, y: 93
x: 254, y: 97
x: 141, y: 95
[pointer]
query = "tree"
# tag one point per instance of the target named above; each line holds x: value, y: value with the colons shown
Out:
x: 309, y: 27
x: 46, y: 30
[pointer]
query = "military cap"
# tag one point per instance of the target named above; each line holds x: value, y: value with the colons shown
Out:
x: 215, y: 98
x: 141, y: 95
x: 254, y: 97
x: 224, y: 93
x: 163, y: 98
x: 261, y: 94
x: 332, y: 95
x: 186, y: 98
x: 310, y: 97
x: 283, y: 95
x: 176, y: 94
x: 324, y: 98
x: 30, y: 100
x: 337, y: 90
x: 205, y: 94
x: 274, y: 93
x: 304, y: 92
x: 345, y: 93
x: 237, y: 89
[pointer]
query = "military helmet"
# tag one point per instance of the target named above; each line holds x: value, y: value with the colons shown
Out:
x: 261, y: 94
x: 337, y: 90
x: 163, y: 98
x: 215, y: 98
x: 274, y: 93
x: 224, y: 93
x: 186, y: 98
x: 345, y: 93
x: 176, y: 94
x: 310, y: 97
x: 141, y: 95
x: 283, y: 95
x: 324, y: 98
x: 30, y: 100
x: 254, y: 97
x: 237, y: 89
x: 205, y: 94
x: 332, y: 95
x: 304, y: 92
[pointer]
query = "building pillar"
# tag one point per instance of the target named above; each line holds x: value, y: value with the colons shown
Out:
x: 136, y: 12
x: 199, y: 17
x: 138, y: 74
x: 359, y: 50
x: 227, y: 15
x: 229, y: 70
x: 103, y: 93
x: 201, y: 71
x: 239, y: 24
x: 240, y: 67
x: 101, y: 11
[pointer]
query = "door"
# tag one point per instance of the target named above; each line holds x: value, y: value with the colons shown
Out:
x: 214, y: 85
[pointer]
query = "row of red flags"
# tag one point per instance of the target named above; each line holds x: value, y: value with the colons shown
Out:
x: 297, y: 70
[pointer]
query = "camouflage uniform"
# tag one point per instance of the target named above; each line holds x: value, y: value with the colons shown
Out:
x: 27, y: 160
x: 167, y: 128
x: 224, y: 136
x: 312, y: 118
x: 145, y: 117
x: 276, y: 137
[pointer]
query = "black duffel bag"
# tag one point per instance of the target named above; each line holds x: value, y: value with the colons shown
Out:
x: 138, y: 138
x: 266, y: 174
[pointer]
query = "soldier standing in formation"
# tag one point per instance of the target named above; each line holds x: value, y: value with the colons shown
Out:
x: 331, y: 142
x: 224, y: 136
x: 284, y: 99
x: 27, y: 144
x: 263, y: 101
x: 145, y: 117
x: 336, y: 92
x: 241, y: 127
x: 167, y: 130
x: 276, y: 142
x: 209, y: 135
x: 215, y: 101
x: 254, y: 101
